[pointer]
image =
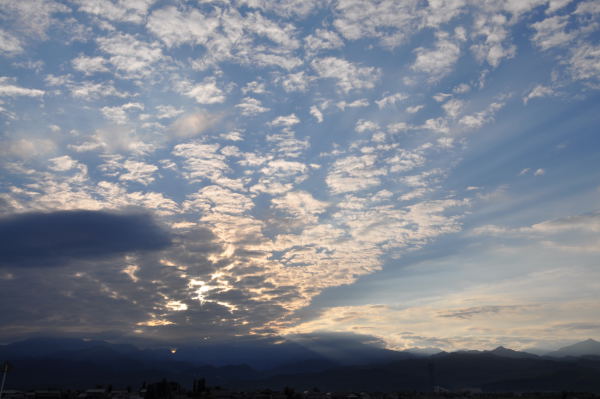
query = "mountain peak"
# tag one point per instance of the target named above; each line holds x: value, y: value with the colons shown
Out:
x: 587, y: 347
x: 506, y: 352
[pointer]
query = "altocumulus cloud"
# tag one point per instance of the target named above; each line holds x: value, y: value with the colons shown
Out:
x: 56, y: 238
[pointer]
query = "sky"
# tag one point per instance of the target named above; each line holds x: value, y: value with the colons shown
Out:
x: 423, y: 172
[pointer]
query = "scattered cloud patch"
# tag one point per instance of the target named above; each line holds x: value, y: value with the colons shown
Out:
x: 390, y: 99
x: 9, y: 88
x: 206, y: 92
x: 437, y: 62
x: 348, y: 75
x: 190, y: 125
x: 285, y: 120
x: 538, y: 91
x: 251, y: 106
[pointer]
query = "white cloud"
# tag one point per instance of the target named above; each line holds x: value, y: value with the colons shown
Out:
x: 280, y: 167
x: 175, y: 27
x: 201, y: 161
x: 389, y: 21
x: 115, y: 114
x: 227, y: 35
x: 423, y: 179
x: 537, y: 92
x: 27, y: 148
x: 8, y: 88
x: 361, y: 102
x: 453, y: 107
x: 323, y: 39
x: 288, y: 144
x: 117, y: 138
x: 167, y: 111
x: 206, y: 92
x: 133, y: 11
x: 92, y: 91
x: 278, y: 33
x: 441, y: 97
x: 255, y: 87
x: 390, y: 99
x: 495, y: 45
x: 278, y: 176
x: 298, y: 81
x: 251, y: 106
x: 137, y: 171
x: 555, y: 5
x: 285, y: 8
x: 584, y: 62
x: 552, y: 32
x: 475, y: 121
x: 354, y: 173
x: 86, y: 146
x: 130, y: 55
x: 587, y: 7
x: 398, y: 127
x: 462, y: 88
x: 32, y: 17
x: 314, y: 111
x: 414, y: 109
x: 440, y: 12
x: 363, y: 125
x: 190, y: 125
x: 539, y: 172
x: 437, y: 62
x: 405, y: 160
x: 301, y: 205
x: 86, y: 90
x: 348, y: 75
x: 285, y: 120
x: 439, y: 125
x: 230, y: 151
x: 10, y: 45
x: 118, y: 114
x: 286, y: 62
x: 63, y: 163
x: 89, y: 65
x: 234, y: 135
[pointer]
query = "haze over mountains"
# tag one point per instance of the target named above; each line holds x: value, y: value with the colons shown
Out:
x: 327, y: 363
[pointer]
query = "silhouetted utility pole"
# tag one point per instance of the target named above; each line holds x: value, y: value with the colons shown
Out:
x: 5, y: 369
x: 431, y: 370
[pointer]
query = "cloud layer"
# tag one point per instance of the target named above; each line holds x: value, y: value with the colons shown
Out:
x: 297, y: 158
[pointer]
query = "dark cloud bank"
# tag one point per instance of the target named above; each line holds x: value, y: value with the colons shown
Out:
x: 56, y: 238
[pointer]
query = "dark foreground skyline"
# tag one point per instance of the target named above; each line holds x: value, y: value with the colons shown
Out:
x: 77, y: 364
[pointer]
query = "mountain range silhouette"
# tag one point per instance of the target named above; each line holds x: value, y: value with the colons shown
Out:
x: 44, y: 363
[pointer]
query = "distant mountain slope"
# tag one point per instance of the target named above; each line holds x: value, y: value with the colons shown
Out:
x: 505, y: 352
x: 587, y: 347
x: 452, y: 371
x: 424, y: 351
x: 259, y: 354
